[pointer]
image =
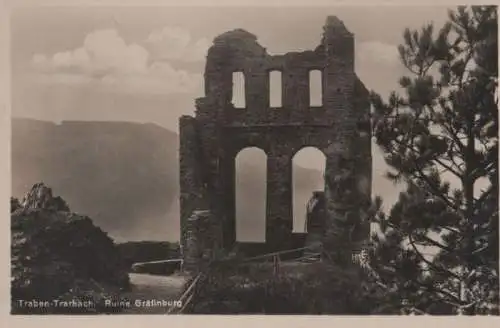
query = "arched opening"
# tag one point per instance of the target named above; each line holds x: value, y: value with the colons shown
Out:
x: 315, y: 88
x: 250, y: 195
x: 308, y: 171
x: 239, y: 99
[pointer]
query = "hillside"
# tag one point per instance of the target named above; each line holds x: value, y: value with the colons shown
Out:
x: 122, y: 175
x: 60, y: 255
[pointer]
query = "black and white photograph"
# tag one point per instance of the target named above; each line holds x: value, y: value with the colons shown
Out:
x: 257, y: 160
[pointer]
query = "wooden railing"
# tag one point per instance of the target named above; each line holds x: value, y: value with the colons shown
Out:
x: 187, y: 296
x: 189, y: 293
x: 269, y: 255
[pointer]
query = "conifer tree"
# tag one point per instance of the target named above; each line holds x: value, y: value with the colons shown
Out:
x: 437, y: 249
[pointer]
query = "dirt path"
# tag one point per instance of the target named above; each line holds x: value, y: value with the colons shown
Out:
x: 162, y: 290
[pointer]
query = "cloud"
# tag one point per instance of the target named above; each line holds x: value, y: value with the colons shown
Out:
x: 102, y: 50
x: 61, y: 78
x: 160, y: 78
x: 174, y: 43
x: 107, y: 60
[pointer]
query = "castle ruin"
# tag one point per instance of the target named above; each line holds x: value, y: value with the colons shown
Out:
x: 210, y: 141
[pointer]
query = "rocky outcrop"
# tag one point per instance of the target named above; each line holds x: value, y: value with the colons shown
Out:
x: 14, y: 204
x: 40, y: 197
x: 57, y: 255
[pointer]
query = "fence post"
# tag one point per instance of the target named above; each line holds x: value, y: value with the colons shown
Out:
x: 274, y: 266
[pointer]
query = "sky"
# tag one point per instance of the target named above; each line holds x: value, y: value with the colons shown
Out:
x: 145, y: 64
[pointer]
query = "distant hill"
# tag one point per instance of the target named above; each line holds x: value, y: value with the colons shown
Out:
x: 123, y: 175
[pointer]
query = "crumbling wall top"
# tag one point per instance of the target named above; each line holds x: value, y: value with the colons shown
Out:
x: 240, y: 40
x: 334, y: 26
x: 236, y: 34
x: 238, y: 51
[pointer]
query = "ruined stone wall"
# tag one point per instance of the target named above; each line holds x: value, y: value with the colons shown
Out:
x: 348, y: 180
x: 192, y: 186
x: 198, y: 247
x: 364, y: 165
x: 333, y: 128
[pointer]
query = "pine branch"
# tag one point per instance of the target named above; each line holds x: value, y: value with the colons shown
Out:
x: 430, y: 264
x: 421, y: 175
x: 437, y: 244
x: 421, y: 255
x: 458, y: 174
x: 484, y: 196
x: 448, y: 168
x: 434, y: 289
x: 450, y: 229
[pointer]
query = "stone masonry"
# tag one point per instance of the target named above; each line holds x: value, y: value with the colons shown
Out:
x: 340, y: 128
